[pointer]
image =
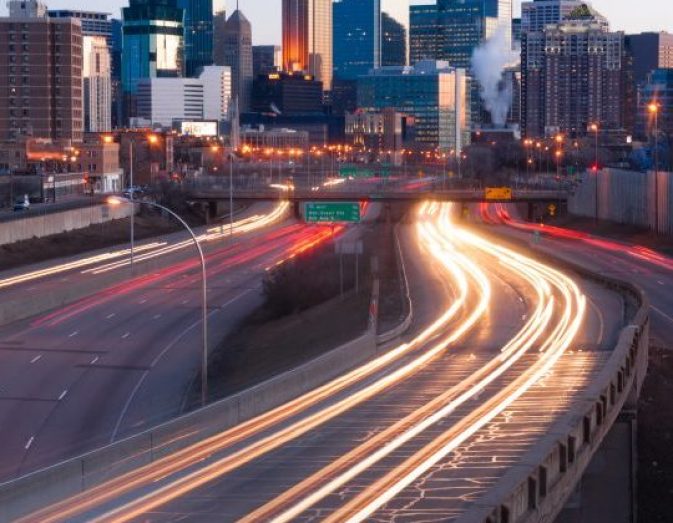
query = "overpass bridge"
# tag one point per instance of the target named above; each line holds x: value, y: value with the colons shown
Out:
x: 222, y: 193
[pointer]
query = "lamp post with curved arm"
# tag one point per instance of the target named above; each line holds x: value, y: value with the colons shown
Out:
x: 204, y: 291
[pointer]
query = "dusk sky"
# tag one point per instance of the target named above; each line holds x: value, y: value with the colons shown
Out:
x: 651, y: 15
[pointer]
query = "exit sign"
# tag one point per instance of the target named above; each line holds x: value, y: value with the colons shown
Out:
x: 328, y: 212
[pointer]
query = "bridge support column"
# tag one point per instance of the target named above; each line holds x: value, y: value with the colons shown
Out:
x: 607, y: 490
x: 296, y: 209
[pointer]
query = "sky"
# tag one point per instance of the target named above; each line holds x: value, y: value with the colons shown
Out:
x: 651, y: 15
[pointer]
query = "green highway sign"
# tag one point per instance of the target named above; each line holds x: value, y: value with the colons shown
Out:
x: 328, y: 212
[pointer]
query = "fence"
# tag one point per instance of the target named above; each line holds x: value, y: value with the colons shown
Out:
x: 626, y: 197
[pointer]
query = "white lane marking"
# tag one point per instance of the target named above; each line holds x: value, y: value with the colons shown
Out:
x: 157, y: 316
x: 36, y: 359
x: 185, y: 302
x: 110, y: 316
x: 30, y: 442
x: 94, y: 360
x: 662, y: 313
x: 524, y: 316
x: 156, y: 360
x: 31, y: 288
x: 142, y: 301
x: 63, y: 394
x: 126, y: 335
x: 73, y: 334
x: 660, y: 282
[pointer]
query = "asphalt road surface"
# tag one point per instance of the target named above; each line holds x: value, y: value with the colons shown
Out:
x: 499, y: 349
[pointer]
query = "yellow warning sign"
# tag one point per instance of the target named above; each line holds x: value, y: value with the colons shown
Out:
x: 498, y: 193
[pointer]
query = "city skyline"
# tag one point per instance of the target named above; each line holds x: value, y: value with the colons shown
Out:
x: 266, y: 27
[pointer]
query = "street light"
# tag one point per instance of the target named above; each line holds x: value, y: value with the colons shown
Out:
x: 653, y: 108
x: 595, y: 129
x: 115, y: 201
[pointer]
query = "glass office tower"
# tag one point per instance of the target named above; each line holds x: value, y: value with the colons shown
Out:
x: 198, y: 34
x: 152, y: 44
x: 357, y: 37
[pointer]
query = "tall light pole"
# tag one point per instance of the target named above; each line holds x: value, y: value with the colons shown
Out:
x: 231, y: 194
x: 204, y: 288
x: 595, y: 128
x: 653, y: 108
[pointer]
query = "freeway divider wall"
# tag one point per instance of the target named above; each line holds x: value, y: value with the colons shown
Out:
x: 536, y: 489
x: 74, y: 476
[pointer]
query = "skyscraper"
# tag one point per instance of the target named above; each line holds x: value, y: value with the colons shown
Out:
x: 307, y: 38
x: 393, y: 41
x: 26, y: 9
x: 398, y: 11
x: 97, y: 84
x: 152, y: 41
x: 649, y: 51
x: 357, y: 37
x: 198, y: 34
x: 452, y: 29
x: 219, y: 24
x: 266, y: 59
x: 554, y: 101
x: 236, y: 52
x: 41, y: 81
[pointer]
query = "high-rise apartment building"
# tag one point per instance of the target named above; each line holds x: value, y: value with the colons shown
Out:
x: 152, y: 41
x: 553, y: 61
x: 307, y: 38
x: 393, y: 41
x: 97, y: 67
x: 198, y: 40
x: 536, y: 15
x: 436, y: 95
x: 266, y: 59
x: 657, y: 88
x: 97, y: 84
x: 41, y: 82
x: 236, y: 52
x: 357, y: 37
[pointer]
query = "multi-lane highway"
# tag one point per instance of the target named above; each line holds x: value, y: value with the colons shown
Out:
x: 500, y: 347
x: 114, y: 362
x: 650, y: 270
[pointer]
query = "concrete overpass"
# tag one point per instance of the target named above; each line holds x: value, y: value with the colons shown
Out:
x: 221, y: 193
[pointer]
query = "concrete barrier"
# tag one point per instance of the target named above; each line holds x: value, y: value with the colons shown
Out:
x: 537, y: 488
x: 59, y: 222
x: 69, y: 478
x: 402, y: 327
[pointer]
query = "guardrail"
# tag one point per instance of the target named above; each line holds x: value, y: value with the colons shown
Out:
x: 536, y: 490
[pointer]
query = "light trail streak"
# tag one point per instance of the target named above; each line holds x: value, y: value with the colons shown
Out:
x: 196, y: 453
x: 244, y: 226
x: 391, y: 439
x: 150, y: 250
x: 78, y: 264
x: 377, y: 494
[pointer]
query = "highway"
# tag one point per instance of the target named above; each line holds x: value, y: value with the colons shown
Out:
x: 651, y: 271
x: 500, y: 346
x: 115, y: 362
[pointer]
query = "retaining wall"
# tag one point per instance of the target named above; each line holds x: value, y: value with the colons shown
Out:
x: 626, y: 197
x: 59, y: 222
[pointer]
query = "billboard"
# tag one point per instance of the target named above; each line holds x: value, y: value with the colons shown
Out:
x: 198, y: 129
